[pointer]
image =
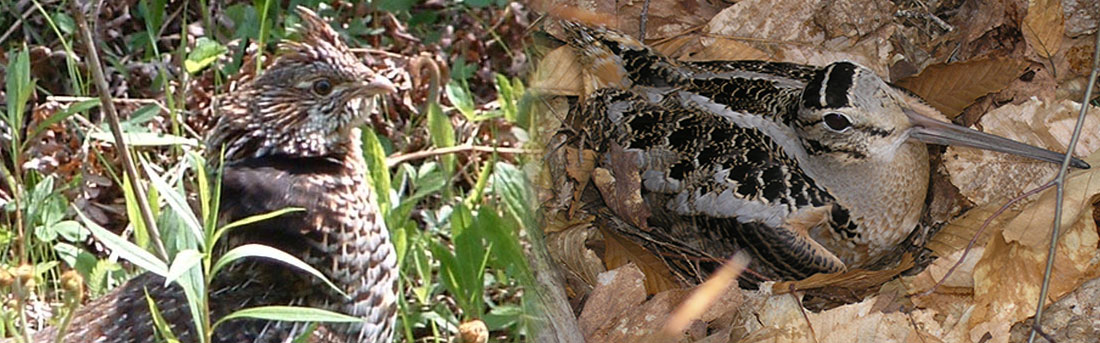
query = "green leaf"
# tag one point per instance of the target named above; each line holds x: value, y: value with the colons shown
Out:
x: 263, y: 251
x: 506, y: 98
x: 176, y: 202
x: 141, y: 233
x: 18, y: 91
x: 71, y: 230
x: 64, y: 22
x: 442, y: 134
x: 459, y: 93
x: 126, y: 250
x: 375, y: 157
x: 185, y: 260
x: 159, y: 323
x: 290, y: 314
x: 61, y: 115
x: 512, y: 186
x: 206, y: 52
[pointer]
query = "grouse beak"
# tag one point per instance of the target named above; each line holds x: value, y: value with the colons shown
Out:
x: 932, y: 131
x: 377, y: 85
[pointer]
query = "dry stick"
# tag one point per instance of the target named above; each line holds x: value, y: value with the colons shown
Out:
x: 112, y: 118
x: 1061, y: 189
x: 397, y: 159
x: 16, y: 25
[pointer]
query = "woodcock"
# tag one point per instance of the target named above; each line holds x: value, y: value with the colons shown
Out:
x: 290, y: 139
x: 810, y: 169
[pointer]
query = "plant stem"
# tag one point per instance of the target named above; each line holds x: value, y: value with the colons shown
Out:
x: 1060, y: 182
x: 112, y: 118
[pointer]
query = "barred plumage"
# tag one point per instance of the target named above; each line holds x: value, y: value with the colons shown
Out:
x: 290, y: 140
x: 812, y: 169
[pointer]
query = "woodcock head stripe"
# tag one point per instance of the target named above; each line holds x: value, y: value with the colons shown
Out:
x: 837, y: 81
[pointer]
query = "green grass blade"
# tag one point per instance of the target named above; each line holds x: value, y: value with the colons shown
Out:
x: 175, y: 202
x: 252, y: 219
x: 290, y: 314
x: 159, y: 323
x: 263, y: 251
x: 126, y: 250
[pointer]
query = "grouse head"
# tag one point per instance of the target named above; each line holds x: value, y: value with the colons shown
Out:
x: 304, y: 104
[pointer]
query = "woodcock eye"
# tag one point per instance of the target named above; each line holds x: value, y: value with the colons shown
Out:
x: 837, y: 121
x: 322, y: 87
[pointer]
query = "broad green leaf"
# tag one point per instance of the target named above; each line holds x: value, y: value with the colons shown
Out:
x: 290, y: 314
x: 257, y: 250
x: 460, y: 96
x: 206, y: 52
x: 185, y: 260
x: 442, y: 134
x: 506, y: 98
x: 18, y: 91
x: 375, y: 157
x: 126, y: 250
x: 511, y: 185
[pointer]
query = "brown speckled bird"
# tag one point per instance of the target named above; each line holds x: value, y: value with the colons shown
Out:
x: 811, y: 169
x: 290, y: 139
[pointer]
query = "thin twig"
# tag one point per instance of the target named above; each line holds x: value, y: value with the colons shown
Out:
x: 16, y: 25
x: 112, y: 119
x: 974, y: 239
x: 394, y: 160
x: 1061, y: 182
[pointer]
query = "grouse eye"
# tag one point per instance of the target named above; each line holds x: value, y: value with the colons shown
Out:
x: 322, y: 87
x: 837, y: 121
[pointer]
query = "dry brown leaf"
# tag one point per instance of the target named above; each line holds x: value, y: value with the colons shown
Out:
x: 986, y: 176
x: 795, y: 37
x: 559, y: 73
x: 579, y: 165
x: 1008, y: 276
x: 617, y: 291
x: 621, y: 187
x: 725, y: 49
x: 1043, y: 27
x: 777, y: 318
x: 567, y: 242
x: 950, y: 88
x: 622, y: 251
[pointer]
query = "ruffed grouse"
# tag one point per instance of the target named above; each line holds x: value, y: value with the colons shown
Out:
x: 290, y: 139
x: 810, y: 169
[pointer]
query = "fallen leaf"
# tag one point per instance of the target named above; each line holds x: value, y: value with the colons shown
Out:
x: 725, y: 49
x: 621, y: 187
x: 778, y: 318
x: 950, y: 88
x: 617, y: 291
x: 1043, y: 27
x: 1008, y: 276
x: 558, y: 73
x: 622, y: 251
